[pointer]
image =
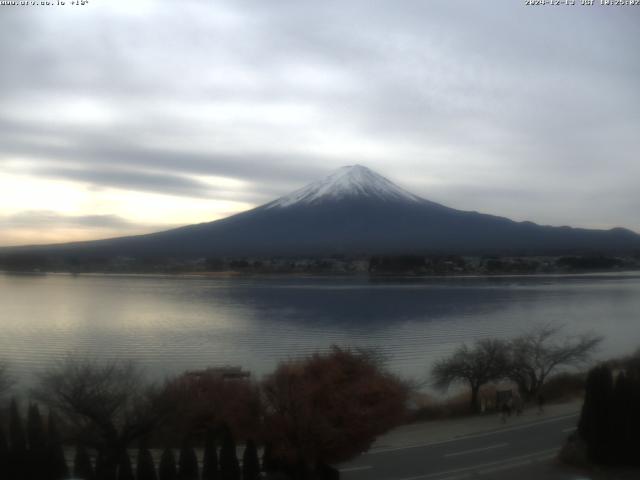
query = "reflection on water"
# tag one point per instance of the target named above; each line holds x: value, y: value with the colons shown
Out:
x: 173, y: 323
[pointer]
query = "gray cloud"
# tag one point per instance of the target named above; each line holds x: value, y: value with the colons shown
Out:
x: 116, y: 161
x: 133, y: 180
x: 525, y: 112
x: 40, y: 218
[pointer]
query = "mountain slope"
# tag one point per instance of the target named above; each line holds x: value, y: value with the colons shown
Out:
x: 356, y: 211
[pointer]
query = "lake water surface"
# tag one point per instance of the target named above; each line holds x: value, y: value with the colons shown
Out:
x: 170, y: 324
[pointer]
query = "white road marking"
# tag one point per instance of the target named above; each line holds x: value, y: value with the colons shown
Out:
x: 507, y: 461
x: 474, y: 450
x: 356, y: 469
x: 475, y: 435
x: 567, y: 430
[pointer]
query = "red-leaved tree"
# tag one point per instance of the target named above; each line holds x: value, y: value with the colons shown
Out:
x: 328, y: 408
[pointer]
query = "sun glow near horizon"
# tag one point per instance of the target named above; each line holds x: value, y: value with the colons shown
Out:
x: 56, y: 211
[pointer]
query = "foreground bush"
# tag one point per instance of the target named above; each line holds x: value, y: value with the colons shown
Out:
x: 308, y: 414
x: 205, y: 399
x: 328, y: 408
x: 610, y: 418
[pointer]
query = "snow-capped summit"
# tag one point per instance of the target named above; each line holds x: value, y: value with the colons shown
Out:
x: 351, y: 181
x: 353, y: 211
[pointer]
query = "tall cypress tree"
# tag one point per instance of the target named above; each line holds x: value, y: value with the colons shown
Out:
x: 634, y: 421
x: 56, y: 462
x: 37, y: 444
x: 82, y: 467
x: 125, y: 472
x: 188, y: 463
x: 250, y: 462
x: 100, y: 465
x: 167, y: 470
x: 106, y: 465
x: 4, y: 455
x: 146, y: 469
x: 270, y: 464
x: 210, y: 459
x: 595, y: 425
x: 35, y: 430
x: 622, y: 417
x: 229, y: 467
x: 18, y: 444
x: 16, y: 431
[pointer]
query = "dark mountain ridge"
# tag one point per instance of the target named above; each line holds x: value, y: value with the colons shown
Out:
x: 354, y: 211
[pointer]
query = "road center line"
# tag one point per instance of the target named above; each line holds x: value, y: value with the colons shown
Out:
x: 473, y: 435
x: 505, y: 462
x: 474, y: 450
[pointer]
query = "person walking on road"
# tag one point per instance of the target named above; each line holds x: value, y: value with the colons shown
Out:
x: 505, y: 412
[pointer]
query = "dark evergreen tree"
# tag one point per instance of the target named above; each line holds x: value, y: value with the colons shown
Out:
x: 188, y: 463
x: 16, y: 431
x: 4, y: 455
x: 111, y: 457
x: 106, y: 465
x: 268, y: 463
x: 634, y: 421
x: 125, y: 472
x: 100, y: 465
x: 18, y: 461
x: 210, y: 459
x: 167, y: 470
x: 595, y: 425
x: 35, y: 430
x: 621, y: 413
x: 56, y: 462
x: 250, y: 462
x: 610, y: 419
x: 37, y: 465
x: 146, y: 469
x: 82, y: 467
x: 229, y: 467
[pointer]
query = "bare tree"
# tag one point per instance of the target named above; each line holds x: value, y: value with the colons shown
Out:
x: 109, y: 404
x: 541, y: 351
x: 485, y: 362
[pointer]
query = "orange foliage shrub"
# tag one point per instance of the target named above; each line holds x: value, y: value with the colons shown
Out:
x: 327, y: 408
x: 207, y: 398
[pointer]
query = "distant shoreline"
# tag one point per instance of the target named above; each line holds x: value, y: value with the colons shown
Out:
x: 372, y: 266
x: 631, y: 273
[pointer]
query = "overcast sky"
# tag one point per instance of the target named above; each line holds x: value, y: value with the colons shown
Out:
x: 122, y: 117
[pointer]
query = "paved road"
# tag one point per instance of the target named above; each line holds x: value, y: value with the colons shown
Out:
x: 482, y: 455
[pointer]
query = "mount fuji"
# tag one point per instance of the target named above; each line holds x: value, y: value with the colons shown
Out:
x: 355, y: 211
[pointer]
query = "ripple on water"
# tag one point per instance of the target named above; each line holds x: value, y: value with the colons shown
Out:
x: 170, y: 323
